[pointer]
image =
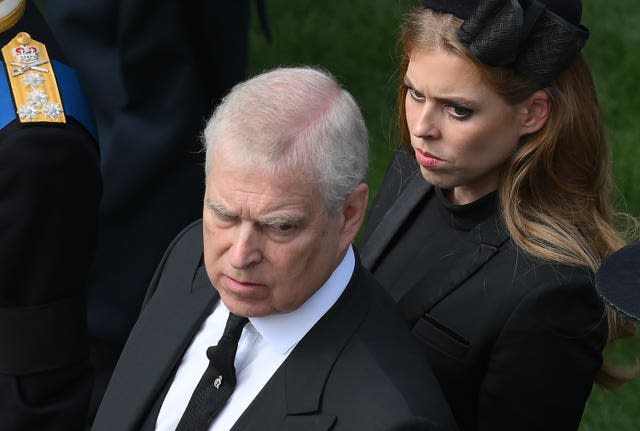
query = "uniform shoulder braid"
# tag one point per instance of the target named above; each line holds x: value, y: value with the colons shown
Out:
x: 42, y: 89
x: 32, y: 81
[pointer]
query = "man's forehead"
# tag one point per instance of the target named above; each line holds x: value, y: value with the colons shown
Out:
x: 262, y: 200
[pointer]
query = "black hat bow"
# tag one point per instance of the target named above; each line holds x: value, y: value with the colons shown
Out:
x: 523, y: 34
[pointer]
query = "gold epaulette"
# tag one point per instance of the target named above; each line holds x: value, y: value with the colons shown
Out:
x: 33, y: 83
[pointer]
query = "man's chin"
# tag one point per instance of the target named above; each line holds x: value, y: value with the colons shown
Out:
x: 245, y: 307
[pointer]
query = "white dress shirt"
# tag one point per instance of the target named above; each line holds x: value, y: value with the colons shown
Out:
x: 264, y: 345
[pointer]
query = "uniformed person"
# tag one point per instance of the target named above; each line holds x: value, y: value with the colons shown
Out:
x: 50, y: 188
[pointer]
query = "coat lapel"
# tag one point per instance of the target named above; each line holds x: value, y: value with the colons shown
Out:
x: 424, y: 294
x: 402, y: 189
x: 159, y: 338
x: 166, y: 328
x: 383, y: 232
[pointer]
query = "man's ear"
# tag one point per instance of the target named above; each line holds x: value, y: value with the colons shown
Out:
x: 353, y: 212
x: 535, y: 112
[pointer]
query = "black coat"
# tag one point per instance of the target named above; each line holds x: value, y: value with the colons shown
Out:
x: 49, y: 194
x: 514, y: 341
x: 358, y: 368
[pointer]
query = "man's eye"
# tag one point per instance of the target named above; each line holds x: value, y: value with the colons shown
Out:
x: 283, y: 227
x: 459, y: 112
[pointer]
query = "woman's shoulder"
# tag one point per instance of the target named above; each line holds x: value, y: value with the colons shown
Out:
x: 557, y: 296
x: 526, y: 269
x: 529, y: 285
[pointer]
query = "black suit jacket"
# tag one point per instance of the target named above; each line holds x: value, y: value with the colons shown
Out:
x: 358, y: 368
x: 515, y: 342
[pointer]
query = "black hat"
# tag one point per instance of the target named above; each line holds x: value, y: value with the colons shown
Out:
x: 538, y: 38
x: 618, y: 281
x: 570, y: 10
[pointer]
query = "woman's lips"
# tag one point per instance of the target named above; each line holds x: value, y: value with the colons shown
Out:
x: 427, y: 160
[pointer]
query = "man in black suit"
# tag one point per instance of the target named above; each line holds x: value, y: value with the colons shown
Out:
x: 49, y: 193
x: 323, y: 349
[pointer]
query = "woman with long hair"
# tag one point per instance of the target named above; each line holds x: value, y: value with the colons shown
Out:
x: 487, y: 231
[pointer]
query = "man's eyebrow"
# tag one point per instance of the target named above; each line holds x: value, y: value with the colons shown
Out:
x: 277, y: 219
x: 282, y: 219
x: 218, y: 208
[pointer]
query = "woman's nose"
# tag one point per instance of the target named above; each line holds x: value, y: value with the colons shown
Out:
x: 425, y: 123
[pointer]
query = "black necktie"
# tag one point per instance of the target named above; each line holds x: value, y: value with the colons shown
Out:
x: 217, y: 382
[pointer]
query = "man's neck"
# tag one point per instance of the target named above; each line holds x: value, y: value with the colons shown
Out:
x: 10, y: 13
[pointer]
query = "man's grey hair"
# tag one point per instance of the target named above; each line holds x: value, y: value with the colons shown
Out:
x: 298, y: 120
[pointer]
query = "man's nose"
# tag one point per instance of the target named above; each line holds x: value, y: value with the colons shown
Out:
x: 246, y: 248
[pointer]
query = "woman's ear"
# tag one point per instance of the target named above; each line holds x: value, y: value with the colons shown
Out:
x: 535, y: 112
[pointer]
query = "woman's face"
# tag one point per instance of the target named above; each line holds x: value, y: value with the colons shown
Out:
x: 461, y: 130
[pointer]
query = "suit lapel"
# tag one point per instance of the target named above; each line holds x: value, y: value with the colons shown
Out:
x: 182, y: 300
x: 291, y: 400
x: 168, y: 323
x: 424, y: 294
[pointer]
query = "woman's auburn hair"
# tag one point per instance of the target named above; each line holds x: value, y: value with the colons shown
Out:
x: 555, y: 190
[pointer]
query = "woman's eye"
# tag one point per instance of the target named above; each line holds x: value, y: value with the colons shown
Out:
x: 459, y: 112
x: 414, y: 95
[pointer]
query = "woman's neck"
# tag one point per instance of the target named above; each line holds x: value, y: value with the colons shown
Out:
x: 10, y: 13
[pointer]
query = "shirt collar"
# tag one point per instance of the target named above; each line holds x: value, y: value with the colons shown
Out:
x: 284, y: 331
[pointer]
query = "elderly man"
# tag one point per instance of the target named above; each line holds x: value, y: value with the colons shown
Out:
x: 322, y: 348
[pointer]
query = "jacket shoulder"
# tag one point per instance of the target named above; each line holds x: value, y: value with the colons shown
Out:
x: 383, y: 364
x: 184, y: 251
